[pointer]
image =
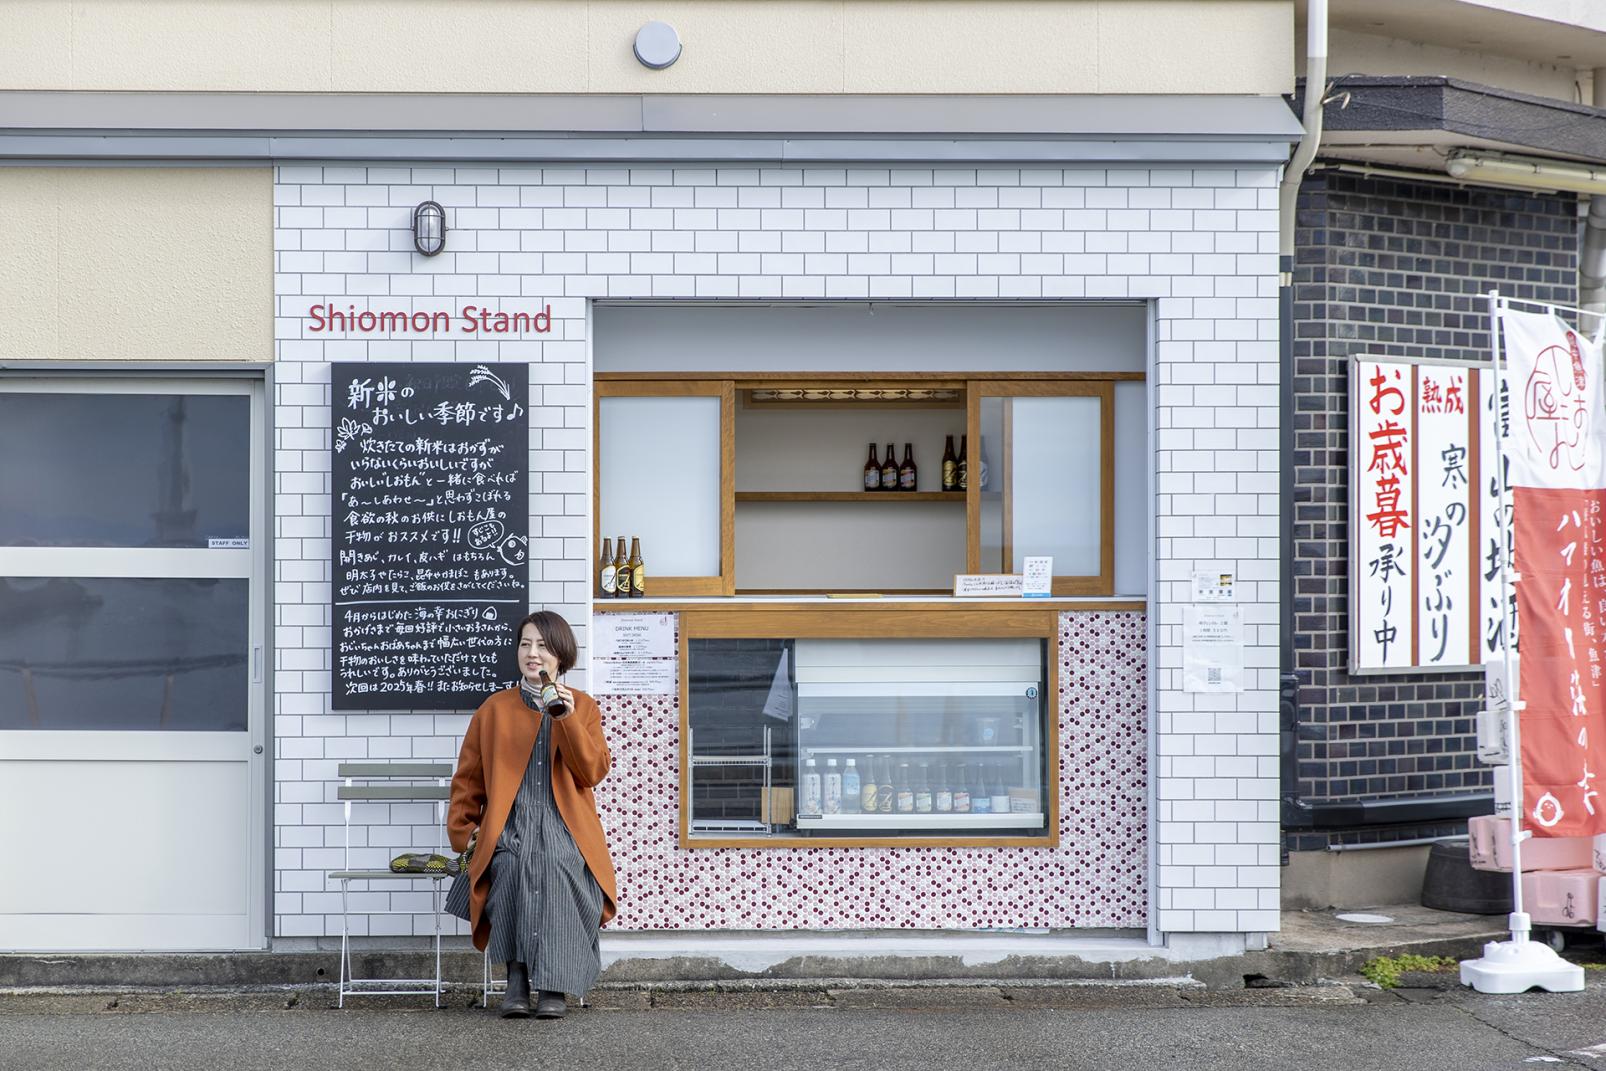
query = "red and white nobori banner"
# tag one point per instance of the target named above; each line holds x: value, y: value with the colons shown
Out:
x: 1557, y: 456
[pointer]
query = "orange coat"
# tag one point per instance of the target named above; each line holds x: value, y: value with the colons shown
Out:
x: 490, y: 768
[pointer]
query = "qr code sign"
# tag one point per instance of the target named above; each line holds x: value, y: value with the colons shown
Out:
x: 1213, y: 675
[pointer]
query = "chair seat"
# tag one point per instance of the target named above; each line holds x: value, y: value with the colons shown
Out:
x: 381, y: 875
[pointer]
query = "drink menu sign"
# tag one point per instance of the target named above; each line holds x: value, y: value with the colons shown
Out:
x: 1427, y: 534
x: 431, y: 532
x: 1557, y: 451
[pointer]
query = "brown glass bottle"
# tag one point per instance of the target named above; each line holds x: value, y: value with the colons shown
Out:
x: 605, y: 570
x: 621, y: 569
x: 872, y: 472
x: 889, y: 469
x: 908, y: 474
x: 638, y: 572
x: 950, y: 466
x: 962, y: 469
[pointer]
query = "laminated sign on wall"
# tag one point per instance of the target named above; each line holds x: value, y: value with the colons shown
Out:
x: 1557, y: 457
x: 1426, y: 531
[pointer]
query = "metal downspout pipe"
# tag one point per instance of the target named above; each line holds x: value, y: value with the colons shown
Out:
x: 1288, y: 201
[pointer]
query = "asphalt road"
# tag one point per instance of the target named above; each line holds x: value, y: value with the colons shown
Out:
x: 1312, y: 1030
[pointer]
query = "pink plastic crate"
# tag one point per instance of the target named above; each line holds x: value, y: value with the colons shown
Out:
x: 1561, y: 897
x: 1489, y: 848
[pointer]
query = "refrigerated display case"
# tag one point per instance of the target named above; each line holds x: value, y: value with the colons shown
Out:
x: 950, y: 733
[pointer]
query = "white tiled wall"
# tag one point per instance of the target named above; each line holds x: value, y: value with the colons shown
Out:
x: 1200, y: 243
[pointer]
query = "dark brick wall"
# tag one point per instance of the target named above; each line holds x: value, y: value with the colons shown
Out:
x: 1401, y: 268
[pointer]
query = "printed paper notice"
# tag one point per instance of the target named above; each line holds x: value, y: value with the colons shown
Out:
x: 633, y: 676
x: 1037, y: 578
x: 633, y: 635
x: 1212, y: 648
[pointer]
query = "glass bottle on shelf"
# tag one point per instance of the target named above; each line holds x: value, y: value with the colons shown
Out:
x: 908, y: 473
x: 950, y: 466
x: 889, y: 469
x: 1000, y: 791
x: 981, y: 800
x: 886, y: 798
x: 638, y: 572
x: 621, y: 570
x: 904, y: 791
x: 832, y: 801
x: 942, y: 793
x: 872, y: 472
x: 923, y: 789
x: 962, y: 467
x: 852, y: 790
x: 962, y: 790
x: 870, y: 794
x: 605, y: 570
x: 810, y: 801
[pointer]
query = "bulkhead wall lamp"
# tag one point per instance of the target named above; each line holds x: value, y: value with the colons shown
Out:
x: 1526, y: 172
x: 429, y: 228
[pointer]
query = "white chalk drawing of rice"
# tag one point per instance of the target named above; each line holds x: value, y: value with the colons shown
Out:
x: 481, y: 374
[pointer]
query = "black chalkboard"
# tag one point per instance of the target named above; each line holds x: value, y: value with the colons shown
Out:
x: 431, y: 532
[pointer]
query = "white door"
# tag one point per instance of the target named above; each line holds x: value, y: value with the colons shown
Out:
x: 132, y: 617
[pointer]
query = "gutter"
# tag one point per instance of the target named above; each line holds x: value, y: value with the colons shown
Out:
x: 1288, y: 201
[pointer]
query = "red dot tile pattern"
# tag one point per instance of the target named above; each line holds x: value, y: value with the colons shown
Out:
x: 1097, y: 877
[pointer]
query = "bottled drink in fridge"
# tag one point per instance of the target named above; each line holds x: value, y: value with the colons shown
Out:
x: 903, y: 788
x: 942, y: 793
x: 887, y: 796
x: 832, y: 801
x: 923, y: 789
x: 852, y: 791
x: 962, y: 790
x: 999, y: 790
x: 981, y: 800
x: 869, y: 795
x: 810, y: 801
x: 872, y: 472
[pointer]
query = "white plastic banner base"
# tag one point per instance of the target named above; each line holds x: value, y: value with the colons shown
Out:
x: 1518, y: 966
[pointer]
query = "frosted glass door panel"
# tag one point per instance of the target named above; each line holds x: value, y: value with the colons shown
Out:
x: 989, y: 475
x: 660, y: 480
x: 1054, y: 482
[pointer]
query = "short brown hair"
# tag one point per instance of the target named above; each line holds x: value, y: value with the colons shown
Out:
x: 555, y: 633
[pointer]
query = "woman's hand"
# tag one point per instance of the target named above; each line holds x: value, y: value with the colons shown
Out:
x: 568, y: 700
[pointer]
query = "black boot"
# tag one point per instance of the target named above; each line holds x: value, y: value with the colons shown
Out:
x: 552, y: 1005
x: 516, y: 1001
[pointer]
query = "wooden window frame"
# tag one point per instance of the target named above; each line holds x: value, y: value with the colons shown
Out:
x: 739, y: 621
x: 723, y: 583
x: 1101, y: 583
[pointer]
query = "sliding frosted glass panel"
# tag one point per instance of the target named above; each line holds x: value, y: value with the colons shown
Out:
x: 660, y: 480
x: 989, y: 472
x: 1053, y: 482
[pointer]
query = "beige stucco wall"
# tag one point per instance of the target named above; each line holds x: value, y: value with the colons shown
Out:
x: 575, y: 46
x: 137, y: 264
x: 1359, y: 53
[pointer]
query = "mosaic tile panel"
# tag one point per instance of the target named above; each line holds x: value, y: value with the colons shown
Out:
x: 1097, y: 877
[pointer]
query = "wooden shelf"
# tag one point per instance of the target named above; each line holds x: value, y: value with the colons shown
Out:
x: 850, y: 496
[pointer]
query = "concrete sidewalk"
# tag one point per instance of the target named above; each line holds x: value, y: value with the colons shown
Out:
x: 1311, y: 948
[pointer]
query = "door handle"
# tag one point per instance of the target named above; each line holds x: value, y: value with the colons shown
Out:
x: 256, y: 665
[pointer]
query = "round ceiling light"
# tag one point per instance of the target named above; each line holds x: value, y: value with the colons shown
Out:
x: 657, y: 45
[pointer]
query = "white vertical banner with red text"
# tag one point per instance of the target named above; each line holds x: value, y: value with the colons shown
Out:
x: 1419, y: 520
x: 1556, y: 453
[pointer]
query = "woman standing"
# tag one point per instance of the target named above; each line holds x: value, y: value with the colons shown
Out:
x: 541, y: 880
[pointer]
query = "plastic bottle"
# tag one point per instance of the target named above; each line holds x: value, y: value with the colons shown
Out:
x: 810, y: 803
x: 851, y: 789
x: 832, y: 803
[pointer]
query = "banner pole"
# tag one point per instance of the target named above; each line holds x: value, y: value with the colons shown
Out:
x: 1520, y: 923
